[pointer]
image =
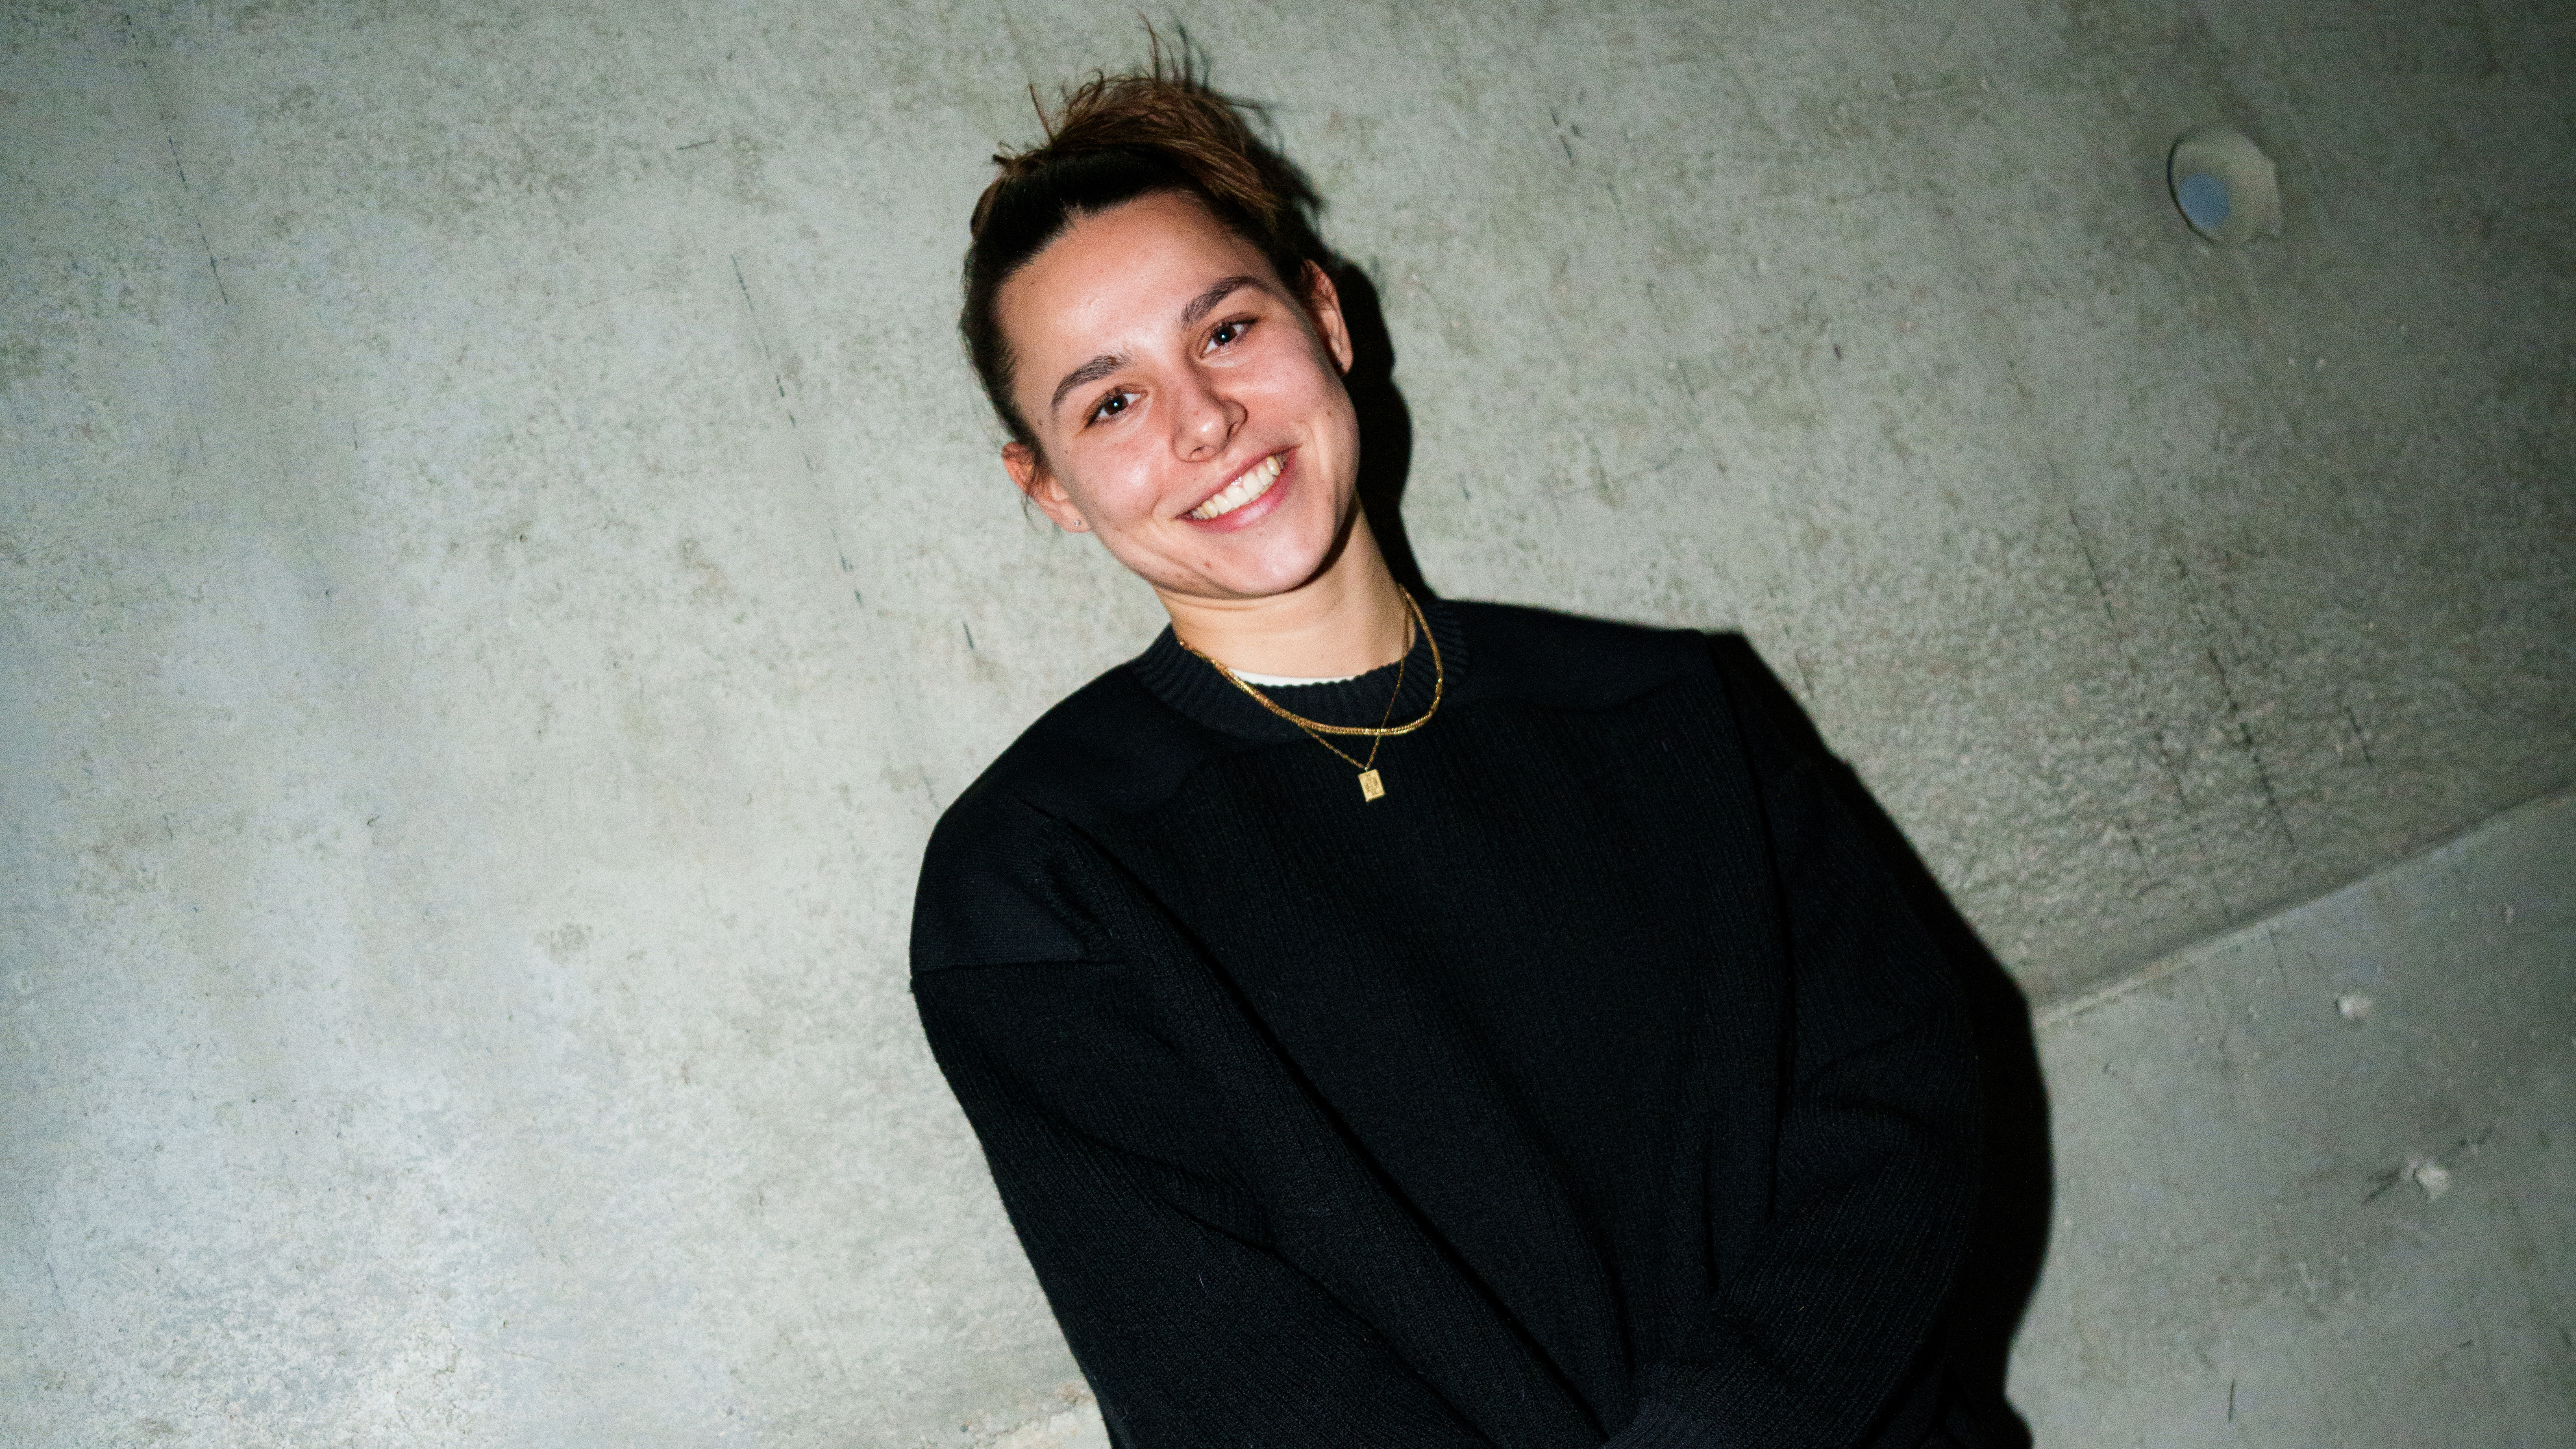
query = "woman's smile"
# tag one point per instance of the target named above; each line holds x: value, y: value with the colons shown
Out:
x: 1233, y: 506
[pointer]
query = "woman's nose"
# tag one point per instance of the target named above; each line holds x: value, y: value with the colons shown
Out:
x: 1207, y: 421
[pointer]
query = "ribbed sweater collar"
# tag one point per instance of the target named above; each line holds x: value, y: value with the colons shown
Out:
x: 1186, y: 682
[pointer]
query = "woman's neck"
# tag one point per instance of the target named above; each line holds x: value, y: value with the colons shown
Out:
x: 1349, y: 619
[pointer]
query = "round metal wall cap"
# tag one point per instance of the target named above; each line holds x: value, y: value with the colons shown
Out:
x: 2224, y: 186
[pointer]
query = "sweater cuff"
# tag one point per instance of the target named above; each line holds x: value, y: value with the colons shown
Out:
x: 1659, y: 1425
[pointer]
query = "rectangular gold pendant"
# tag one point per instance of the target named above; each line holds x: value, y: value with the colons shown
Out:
x: 1370, y: 788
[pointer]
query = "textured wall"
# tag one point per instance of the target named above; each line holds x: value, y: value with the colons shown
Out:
x: 2317, y: 1180
x: 500, y: 565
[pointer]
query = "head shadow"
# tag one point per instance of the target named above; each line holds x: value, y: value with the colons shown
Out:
x: 1386, y: 425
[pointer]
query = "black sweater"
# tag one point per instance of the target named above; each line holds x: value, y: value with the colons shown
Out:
x: 1594, y: 1083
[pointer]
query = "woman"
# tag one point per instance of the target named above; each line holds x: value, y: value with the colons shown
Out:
x: 1388, y: 1020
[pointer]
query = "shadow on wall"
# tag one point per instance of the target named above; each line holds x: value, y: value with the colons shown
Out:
x: 1386, y: 427
x: 2003, y: 1261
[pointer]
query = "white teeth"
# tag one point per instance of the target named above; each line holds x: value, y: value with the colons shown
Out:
x: 1256, y: 480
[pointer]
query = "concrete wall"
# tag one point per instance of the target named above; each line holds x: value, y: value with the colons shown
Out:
x: 501, y: 564
x: 2317, y: 1179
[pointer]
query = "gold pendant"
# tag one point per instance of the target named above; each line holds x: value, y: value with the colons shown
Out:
x: 1370, y: 789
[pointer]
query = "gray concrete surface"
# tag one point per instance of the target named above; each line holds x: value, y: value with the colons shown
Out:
x: 2317, y: 1179
x: 500, y: 565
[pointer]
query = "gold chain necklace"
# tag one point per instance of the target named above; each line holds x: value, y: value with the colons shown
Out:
x: 1371, y: 786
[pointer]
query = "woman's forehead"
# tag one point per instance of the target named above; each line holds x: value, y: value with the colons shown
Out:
x: 1134, y: 267
x: 1116, y: 287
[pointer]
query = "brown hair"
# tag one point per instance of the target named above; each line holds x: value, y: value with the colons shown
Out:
x: 1114, y: 139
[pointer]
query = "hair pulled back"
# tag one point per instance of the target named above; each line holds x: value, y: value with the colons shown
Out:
x: 1114, y: 139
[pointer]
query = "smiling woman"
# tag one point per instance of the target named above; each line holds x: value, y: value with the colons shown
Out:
x: 1578, y: 1078
x: 1186, y: 405
x: 1154, y: 323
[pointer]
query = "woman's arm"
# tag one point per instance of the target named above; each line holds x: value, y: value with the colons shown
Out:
x: 1806, y: 1338
x: 1174, y: 1285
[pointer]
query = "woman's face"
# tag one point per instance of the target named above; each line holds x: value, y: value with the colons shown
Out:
x: 1188, y: 407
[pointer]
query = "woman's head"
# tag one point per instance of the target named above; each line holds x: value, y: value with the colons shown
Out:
x: 1117, y: 138
x: 1149, y: 313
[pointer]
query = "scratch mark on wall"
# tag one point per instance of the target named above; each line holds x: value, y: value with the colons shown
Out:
x: 1806, y: 681
x: 2245, y: 735
x: 778, y: 381
x: 2129, y: 658
x: 614, y: 296
x: 1682, y: 374
x: 170, y: 133
x: 2137, y: 848
x: 1902, y: 97
x: 759, y: 334
x: 1562, y: 131
x: 2360, y: 736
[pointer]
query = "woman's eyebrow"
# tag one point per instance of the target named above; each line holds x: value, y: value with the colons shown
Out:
x: 1200, y: 304
x: 1092, y: 371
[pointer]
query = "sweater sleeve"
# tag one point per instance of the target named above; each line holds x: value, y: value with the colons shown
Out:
x: 1173, y: 1283
x: 1802, y: 1343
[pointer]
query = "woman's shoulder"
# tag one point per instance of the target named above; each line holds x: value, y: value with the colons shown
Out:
x: 1011, y: 853
x: 992, y: 872
x: 1110, y: 745
x: 1542, y: 656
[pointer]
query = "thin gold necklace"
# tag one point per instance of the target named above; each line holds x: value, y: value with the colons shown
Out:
x: 1371, y: 785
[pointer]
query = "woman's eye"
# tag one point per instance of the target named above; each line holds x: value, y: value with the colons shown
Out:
x: 1227, y: 333
x: 1111, y: 406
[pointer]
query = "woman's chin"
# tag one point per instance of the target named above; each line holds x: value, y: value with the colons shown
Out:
x: 1280, y: 554
x: 1253, y: 574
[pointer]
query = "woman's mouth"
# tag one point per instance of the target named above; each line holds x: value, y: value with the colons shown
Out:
x: 1248, y: 485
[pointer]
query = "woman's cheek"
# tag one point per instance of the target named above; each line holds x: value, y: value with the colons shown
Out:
x: 1137, y: 492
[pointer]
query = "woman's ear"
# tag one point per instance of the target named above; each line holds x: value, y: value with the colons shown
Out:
x: 1031, y: 475
x: 1324, y: 308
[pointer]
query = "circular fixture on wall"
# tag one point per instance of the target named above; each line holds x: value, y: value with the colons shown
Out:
x: 2224, y: 185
